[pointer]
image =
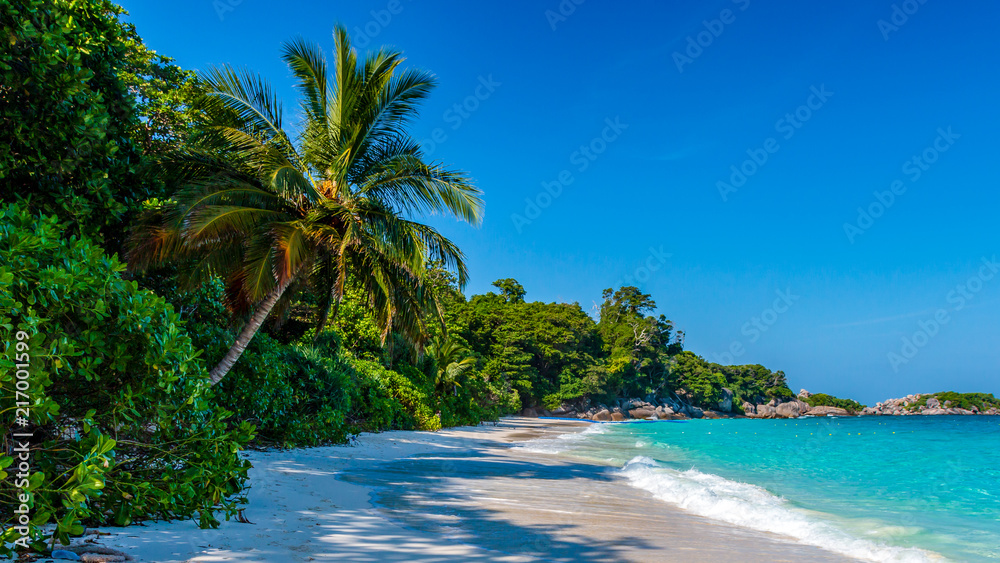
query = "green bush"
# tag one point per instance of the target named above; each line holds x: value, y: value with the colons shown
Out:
x: 824, y: 400
x: 478, y: 400
x: 296, y: 395
x: 125, y: 427
x: 701, y: 382
x: 67, y: 114
x: 389, y: 400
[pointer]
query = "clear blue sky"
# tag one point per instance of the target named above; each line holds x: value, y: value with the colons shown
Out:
x: 880, y: 95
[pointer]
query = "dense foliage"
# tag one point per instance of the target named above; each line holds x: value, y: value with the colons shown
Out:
x: 552, y: 353
x: 824, y: 400
x: 80, y: 98
x: 123, y: 425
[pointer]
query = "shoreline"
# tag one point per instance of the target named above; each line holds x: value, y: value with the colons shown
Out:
x: 461, y: 494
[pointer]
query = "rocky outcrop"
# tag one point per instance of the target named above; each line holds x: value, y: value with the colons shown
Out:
x: 602, y: 415
x: 803, y: 394
x: 895, y: 407
x: 565, y: 410
x: 694, y: 412
x: 826, y: 411
x: 642, y: 412
x: 791, y: 409
x: 726, y: 402
x: 765, y: 411
x: 923, y: 404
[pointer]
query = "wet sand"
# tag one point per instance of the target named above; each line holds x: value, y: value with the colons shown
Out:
x: 463, y: 494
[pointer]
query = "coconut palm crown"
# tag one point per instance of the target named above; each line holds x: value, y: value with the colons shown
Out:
x: 274, y: 212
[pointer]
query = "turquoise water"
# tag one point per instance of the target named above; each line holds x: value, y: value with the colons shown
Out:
x: 875, y: 488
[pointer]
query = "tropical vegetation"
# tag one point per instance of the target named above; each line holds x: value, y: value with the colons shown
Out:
x: 184, y: 275
x: 824, y: 400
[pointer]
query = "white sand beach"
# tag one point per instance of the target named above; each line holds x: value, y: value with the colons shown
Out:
x: 461, y: 494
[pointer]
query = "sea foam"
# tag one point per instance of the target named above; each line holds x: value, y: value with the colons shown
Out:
x: 561, y: 443
x: 753, y: 507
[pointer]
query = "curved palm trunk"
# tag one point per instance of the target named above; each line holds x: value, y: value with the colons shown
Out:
x: 251, y: 328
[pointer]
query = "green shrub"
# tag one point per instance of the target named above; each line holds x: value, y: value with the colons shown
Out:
x: 67, y: 114
x: 824, y: 400
x: 296, y: 395
x: 389, y: 400
x: 125, y: 426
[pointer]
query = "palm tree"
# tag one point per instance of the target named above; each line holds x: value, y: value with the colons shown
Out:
x: 274, y: 213
x: 452, y: 361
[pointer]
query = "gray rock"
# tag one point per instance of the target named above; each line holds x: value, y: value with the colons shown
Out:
x: 664, y: 412
x: 933, y: 412
x: 824, y: 411
x: 748, y: 409
x: 696, y: 412
x: 789, y: 410
x: 766, y: 411
x: 726, y: 402
x: 933, y: 403
x: 564, y: 409
x: 803, y: 394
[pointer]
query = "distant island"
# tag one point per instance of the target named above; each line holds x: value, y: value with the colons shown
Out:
x: 805, y: 404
